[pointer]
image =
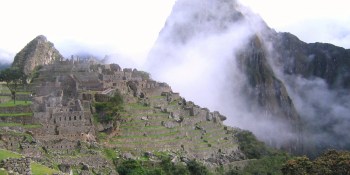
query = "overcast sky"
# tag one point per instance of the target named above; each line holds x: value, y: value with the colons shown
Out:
x: 130, y: 27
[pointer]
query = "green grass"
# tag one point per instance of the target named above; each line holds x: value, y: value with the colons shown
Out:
x: 3, y: 172
x: 23, y: 93
x: 16, y: 114
x: 137, y: 106
x: 147, y: 142
x: 110, y: 153
x: 38, y: 169
x: 157, y: 97
x: 150, y: 136
x: 19, y: 124
x: 174, y: 103
x: 101, y: 135
x: 4, y: 154
x: 11, y: 104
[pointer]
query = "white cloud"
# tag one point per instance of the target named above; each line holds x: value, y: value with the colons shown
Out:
x: 129, y: 26
x: 311, y: 20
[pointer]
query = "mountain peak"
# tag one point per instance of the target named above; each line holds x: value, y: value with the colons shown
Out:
x: 41, y: 38
x: 37, y: 52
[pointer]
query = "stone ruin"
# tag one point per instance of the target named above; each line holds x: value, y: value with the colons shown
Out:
x: 20, y: 166
x: 63, y: 97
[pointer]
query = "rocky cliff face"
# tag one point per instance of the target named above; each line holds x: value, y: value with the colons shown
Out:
x: 39, y: 51
x: 317, y: 78
x: 268, y: 82
x: 230, y: 39
x: 321, y: 60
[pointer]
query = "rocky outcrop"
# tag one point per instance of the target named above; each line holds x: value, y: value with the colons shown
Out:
x: 321, y: 60
x: 265, y: 92
x: 39, y: 51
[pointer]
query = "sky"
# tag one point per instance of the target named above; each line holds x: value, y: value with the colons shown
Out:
x: 130, y: 27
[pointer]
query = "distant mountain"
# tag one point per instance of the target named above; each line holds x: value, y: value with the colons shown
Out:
x: 37, y: 52
x: 292, y: 94
x: 5, y: 59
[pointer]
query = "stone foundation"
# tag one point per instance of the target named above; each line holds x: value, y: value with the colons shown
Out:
x: 21, y: 166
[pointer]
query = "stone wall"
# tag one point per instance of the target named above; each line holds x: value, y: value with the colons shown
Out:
x: 18, y: 119
x: 15, y: 109
x: 21, y: 166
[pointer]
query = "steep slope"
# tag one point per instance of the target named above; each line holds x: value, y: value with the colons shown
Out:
x: 322, y: 60
x: 73, y: 111
x: 317, y: 79
x: 39, y: 51
x: 271, y: 83
x: 227, y: 43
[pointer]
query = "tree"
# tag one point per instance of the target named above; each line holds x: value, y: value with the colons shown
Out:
x: 197, y: 168
x: 297, y: 166
x: 13, y: 78
x: 329, y: 163
x: 108, y: 111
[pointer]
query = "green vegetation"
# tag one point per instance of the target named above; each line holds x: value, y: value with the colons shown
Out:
x: 108, y: 111
x: 4, y: 154
x: 3, y: 172
x: 13, y: 77
x: 266, y: 165
x: 110, y: 153
x: 20, y: 125
x: 329, y: 163
x: 165, y: 167
x: 24, y: 92
x: 157, y: 97
x: 35, y: 73
x: 171, y: 133
x: 264, y: 161
x: 137, y: 106
x: 250, y: 145
x: 18, y: 103
x: 38, y: 169
x: 174, y: 103
x: 16, y: 114
x: 26, y: 137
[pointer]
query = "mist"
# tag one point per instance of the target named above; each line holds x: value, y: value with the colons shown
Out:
x: 324, y: 111
x: 196, y: 53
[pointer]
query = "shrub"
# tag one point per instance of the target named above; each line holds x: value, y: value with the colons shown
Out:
x: 250, y: 145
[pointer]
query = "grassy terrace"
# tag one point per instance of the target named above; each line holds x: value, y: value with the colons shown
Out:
x: 136, y: 106
x: 157, y: 97
x: 174, y: 103
x: 16, y: 115
x: 170, y: 140
x: 24, y: 93
x: 136, y: 128
x: 20, y: 125
x: 38, y: 169
x: 4, y: 154
x: 154, y: 114
x: 149, y: 136
x: 3, y: 172
x: 18, y: 103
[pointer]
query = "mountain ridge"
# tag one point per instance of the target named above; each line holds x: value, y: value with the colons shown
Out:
x: 37, y: 52
x: 281, y: 61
